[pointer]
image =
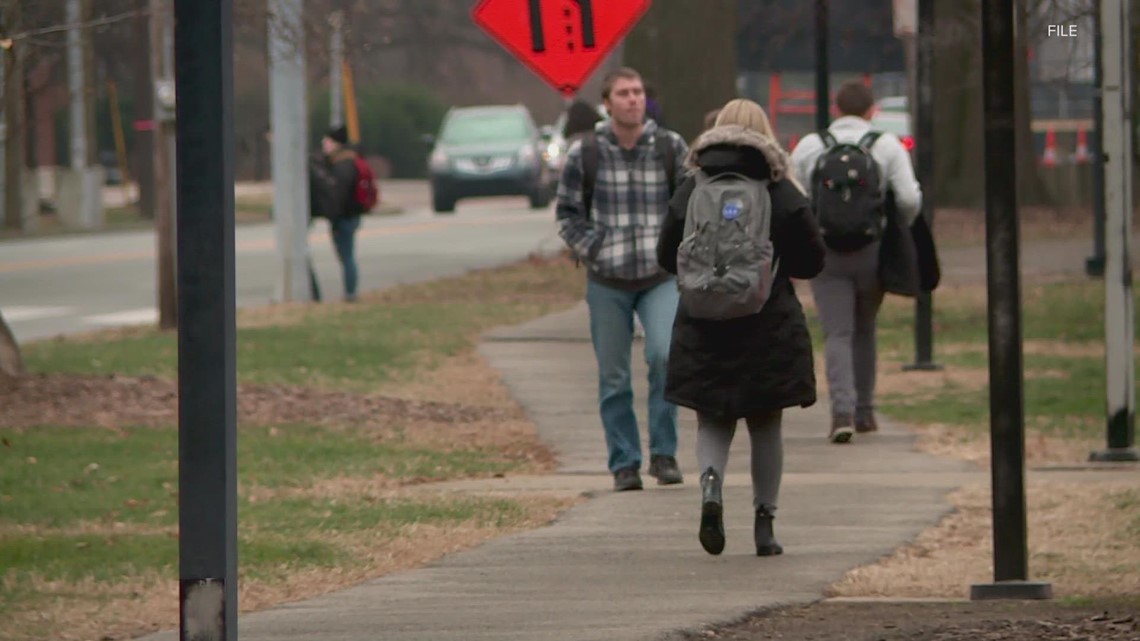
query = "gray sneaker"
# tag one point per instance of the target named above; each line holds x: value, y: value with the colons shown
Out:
x: 627, y: 479
x: 842, y: 428
x: 665, y: 470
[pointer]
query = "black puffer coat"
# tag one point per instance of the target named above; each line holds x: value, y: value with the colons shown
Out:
x: 763, y: 362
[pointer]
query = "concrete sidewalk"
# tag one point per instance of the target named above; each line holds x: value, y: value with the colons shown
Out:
x: 628, y: 566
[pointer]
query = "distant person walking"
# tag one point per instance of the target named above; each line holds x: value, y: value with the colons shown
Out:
x: 854, y: 173
x: 613, y: 194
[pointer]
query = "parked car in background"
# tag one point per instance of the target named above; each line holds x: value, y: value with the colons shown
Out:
x: 488, y: 151
x: 555, y: 145
x: 893, y: 116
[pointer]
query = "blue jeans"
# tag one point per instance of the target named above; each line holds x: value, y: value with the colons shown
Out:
x: 611, y: 329
x: 344, y: 241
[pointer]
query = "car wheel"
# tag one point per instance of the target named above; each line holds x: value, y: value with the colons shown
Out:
x: 442, y: 203
x: 540, y: 197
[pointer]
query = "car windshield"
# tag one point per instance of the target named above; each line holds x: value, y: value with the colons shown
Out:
x: 466, y: 129
x: 897, y: 124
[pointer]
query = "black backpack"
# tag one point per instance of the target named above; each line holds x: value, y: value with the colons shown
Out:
x: 662, y: 145
x: 847, y: 193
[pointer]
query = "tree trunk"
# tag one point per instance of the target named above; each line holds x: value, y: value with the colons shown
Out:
x: 143, y: 88
x: 11, y: 364
x: 687, y: 52
x: 958, y: 133
x: 14, y: 157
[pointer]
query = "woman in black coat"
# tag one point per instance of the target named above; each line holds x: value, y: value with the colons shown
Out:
x: 754, y: 366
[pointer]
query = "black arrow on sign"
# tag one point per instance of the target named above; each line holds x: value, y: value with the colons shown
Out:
x: 537, y: 37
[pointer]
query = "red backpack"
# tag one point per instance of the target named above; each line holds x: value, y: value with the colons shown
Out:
x: 367, y: 193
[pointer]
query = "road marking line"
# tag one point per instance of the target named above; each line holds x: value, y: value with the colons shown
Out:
x: 142, y: 316
x: 251, y: 245
x: 18, y: 313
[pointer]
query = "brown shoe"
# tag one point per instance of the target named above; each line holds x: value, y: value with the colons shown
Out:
x: 865, y: 422
x: 841, y: 428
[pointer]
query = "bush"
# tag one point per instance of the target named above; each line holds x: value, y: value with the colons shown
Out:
x: 393, y: 120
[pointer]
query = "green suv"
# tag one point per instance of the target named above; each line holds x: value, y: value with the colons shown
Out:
x: 488, y: 151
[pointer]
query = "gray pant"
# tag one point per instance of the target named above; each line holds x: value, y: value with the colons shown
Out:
x: 848, y: 295
x: 714, y: 438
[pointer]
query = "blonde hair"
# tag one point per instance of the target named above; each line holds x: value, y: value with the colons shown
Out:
x: 747, y: 114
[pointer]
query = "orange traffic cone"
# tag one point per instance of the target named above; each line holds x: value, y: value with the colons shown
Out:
x: 1049, y: 159
x: 1082, y: 156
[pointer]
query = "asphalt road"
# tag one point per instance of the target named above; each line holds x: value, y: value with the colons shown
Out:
x: 77, y: 283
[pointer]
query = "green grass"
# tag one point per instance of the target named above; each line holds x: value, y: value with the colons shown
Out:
x: 338, y: 347
x: 81, y: 504
x: 57, y: 477
x: 1063, y: 395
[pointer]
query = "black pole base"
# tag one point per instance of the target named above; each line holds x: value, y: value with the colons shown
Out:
x: 1094, y: 266
x: 1012, y: 590
x: 1115, y: 455
x: 922, y: 366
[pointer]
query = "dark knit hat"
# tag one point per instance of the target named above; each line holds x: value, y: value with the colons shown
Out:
x: 339, y: 134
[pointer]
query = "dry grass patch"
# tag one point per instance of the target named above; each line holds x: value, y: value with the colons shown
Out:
x: 1079, y: 534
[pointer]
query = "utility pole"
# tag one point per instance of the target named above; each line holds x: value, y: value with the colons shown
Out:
x: 290, y: 148
x: 1119, y: 311
x: 336, y: 78
x: 161, y: 62
x: 81, y: 193
x: 76, y: 84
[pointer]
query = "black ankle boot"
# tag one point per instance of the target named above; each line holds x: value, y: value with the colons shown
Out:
x: 712, y: 513
x: 766, y: 544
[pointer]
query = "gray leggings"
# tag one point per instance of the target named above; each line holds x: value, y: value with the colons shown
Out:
x: 714, y: 437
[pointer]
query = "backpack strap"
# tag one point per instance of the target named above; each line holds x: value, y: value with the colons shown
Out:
x: 828, y: 140
x: 668, y: 156
x: 589, y: 171
x: 868, y: 140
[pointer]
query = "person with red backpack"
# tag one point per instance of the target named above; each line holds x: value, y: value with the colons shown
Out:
x: 342, y: 187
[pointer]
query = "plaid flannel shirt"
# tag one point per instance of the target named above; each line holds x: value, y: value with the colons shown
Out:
x: 618, y: 239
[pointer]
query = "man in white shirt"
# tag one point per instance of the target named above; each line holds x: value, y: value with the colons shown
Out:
x: 848, y: 292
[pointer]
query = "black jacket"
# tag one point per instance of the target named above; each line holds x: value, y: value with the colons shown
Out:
x: 332, y: 185
x: 763, y: 362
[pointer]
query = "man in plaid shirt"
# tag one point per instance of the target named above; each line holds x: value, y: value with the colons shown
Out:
x: 611, y: 224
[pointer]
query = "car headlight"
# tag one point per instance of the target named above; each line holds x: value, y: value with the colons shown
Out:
x: 438, y: 160
x: 526, y: 154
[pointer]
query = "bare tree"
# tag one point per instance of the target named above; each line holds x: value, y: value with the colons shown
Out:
x: 681, y: 48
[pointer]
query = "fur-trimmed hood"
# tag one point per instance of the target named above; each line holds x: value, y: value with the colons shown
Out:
x: 738, y: 136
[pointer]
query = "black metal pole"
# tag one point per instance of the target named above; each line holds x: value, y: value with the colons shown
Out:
x: 924, y: 155
x: 822, y: 68
x: 1094, y: 264
x: 1007, y: 428
x: 207, y: 409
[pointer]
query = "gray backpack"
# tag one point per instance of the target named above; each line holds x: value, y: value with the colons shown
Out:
x: 725, y: 264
